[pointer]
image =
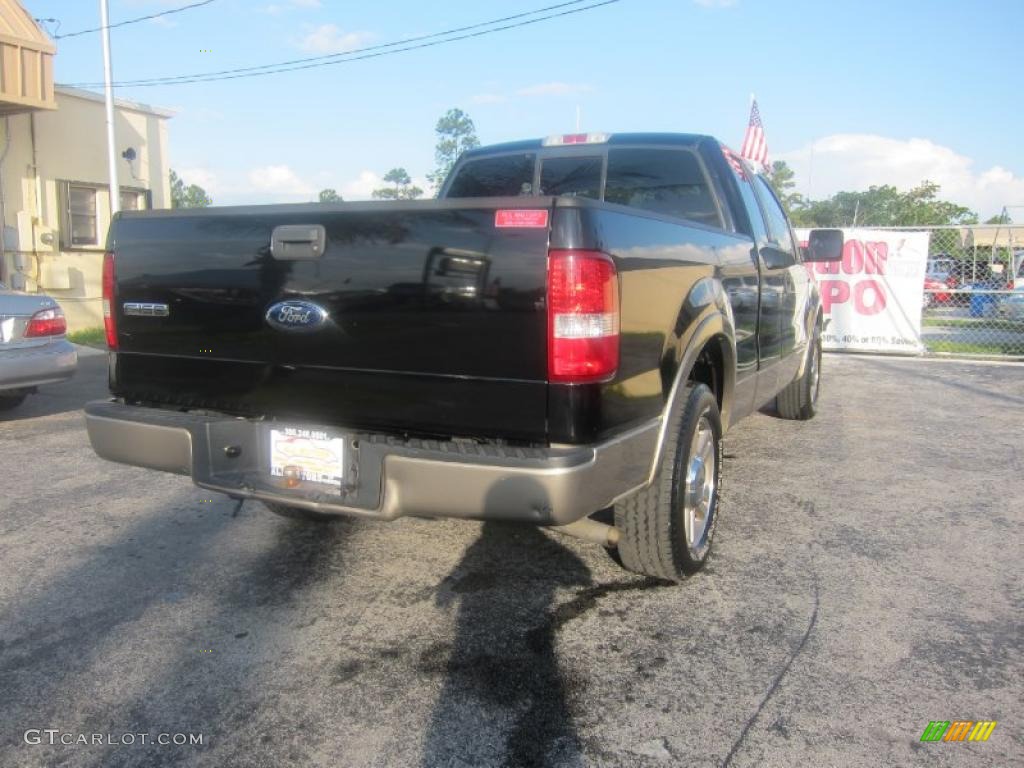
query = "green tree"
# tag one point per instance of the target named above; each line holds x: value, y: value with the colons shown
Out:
x: 402, y: 187
x: 329, y: 196
x: 455, y: 134
x: 781, y: 177
x: 1002, y: 218
x: 190, y: 196
x: 883, y: 206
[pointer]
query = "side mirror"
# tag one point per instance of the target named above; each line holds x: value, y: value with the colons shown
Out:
x: 824, y: 245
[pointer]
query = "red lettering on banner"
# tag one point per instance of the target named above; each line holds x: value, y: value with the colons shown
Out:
x: 860, y: 301
x: 833, y: 292
x: 877, y: 256
x: 853, y: 257
x: 859, y: 258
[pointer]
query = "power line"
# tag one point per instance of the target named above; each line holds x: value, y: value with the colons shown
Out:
x: 406, y: 41
x: 396, y: 47
x: 134, y: 21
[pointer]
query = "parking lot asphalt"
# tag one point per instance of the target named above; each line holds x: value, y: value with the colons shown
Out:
x: 866, y: 581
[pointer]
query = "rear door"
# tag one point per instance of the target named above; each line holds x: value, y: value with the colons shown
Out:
x: 771, y: 290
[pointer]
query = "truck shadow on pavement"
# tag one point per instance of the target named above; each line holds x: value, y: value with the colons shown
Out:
x: 505, y: 697
x: 54, y: 647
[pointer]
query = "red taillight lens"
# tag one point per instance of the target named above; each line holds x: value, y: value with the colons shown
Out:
x: 46, y: 322
x: 583, y: 317
x: 109, y: 320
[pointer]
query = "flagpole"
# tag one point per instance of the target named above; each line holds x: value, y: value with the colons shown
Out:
x: 115, y: 197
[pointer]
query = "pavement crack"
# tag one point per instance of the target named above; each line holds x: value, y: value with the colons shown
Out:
x: 778, y: 678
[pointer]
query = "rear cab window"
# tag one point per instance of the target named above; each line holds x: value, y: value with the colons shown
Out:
x: 499, y: 176
x: 669, y: 181
x: 573, y: 176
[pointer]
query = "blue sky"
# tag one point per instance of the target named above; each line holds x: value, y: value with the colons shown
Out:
x: 884, y: 92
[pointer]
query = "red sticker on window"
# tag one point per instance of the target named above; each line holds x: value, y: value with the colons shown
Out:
x: 520, y: 217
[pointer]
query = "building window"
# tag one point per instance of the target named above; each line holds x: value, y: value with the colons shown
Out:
x: 134, y: 199
x: 82, y: 214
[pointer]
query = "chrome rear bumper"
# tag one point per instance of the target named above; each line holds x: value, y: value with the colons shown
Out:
x: 391, y: 477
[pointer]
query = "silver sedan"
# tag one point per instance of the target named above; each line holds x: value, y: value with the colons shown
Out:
x: 33, y: 349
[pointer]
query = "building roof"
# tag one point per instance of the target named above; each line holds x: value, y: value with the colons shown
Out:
x: 26, y: 62
x: 137, y: 106
x: 993, y: 236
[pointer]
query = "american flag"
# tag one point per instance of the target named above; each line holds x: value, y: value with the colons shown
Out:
x: 755, y: 147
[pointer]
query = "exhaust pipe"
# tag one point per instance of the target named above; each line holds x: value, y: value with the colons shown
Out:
x: 591, y: 530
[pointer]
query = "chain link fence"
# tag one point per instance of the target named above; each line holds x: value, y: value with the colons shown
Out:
x: 973, y: 292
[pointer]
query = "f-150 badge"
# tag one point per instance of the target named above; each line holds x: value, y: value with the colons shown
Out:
x: 296, y: 316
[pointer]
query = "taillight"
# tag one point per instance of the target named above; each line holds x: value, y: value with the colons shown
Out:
x: 583, y: 317
x: 109, y: 320
x: 46, y: 322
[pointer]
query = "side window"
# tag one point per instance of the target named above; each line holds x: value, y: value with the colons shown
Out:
x: 760, y: 232
x: 502, y: 176
x: 778, y: 224
x: 571, y: 177
x: 668, y: 181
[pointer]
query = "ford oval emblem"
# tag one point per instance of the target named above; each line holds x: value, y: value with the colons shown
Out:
x: 296, y: 316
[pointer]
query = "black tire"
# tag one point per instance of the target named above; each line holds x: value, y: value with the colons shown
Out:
x: 298, y: 513
x: 9, y: 402
x: 799, y: 400
x: 654, y: 525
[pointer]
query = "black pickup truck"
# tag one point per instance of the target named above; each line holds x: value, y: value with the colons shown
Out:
x: 561, y: 339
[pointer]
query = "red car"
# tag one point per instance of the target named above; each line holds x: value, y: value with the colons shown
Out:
x: 935, y: 291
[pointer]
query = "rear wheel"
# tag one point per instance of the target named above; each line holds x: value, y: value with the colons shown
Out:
x: 799, y: 400
x: 299, y: 513
x: 9, y: 401
x: 666, y: 529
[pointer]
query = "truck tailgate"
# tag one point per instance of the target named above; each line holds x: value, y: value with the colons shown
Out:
x: 436, y: 321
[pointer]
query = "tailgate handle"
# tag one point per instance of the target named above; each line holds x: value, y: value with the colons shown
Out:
x: 298, y: 241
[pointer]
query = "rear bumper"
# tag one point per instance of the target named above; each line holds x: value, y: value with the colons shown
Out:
x: 391, y: 477
x: 31, y: 366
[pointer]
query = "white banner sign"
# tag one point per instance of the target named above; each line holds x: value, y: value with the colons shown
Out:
x: 872, y: 298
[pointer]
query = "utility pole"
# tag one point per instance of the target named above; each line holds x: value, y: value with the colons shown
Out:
x: 115, y: 194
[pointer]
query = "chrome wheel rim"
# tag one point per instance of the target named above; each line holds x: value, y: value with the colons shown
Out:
x: 699, y: 488
x: 815, y: 371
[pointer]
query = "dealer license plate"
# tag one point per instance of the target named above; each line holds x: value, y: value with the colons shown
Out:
x: 307, y: 454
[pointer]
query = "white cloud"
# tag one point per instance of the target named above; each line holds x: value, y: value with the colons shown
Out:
x: 204, y: 177
x: 328, y: 38
x: 857, y: 161
x: 278, y: 180
x: 554, y: 89
x: 163, y: 21
x: 361, y: 188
